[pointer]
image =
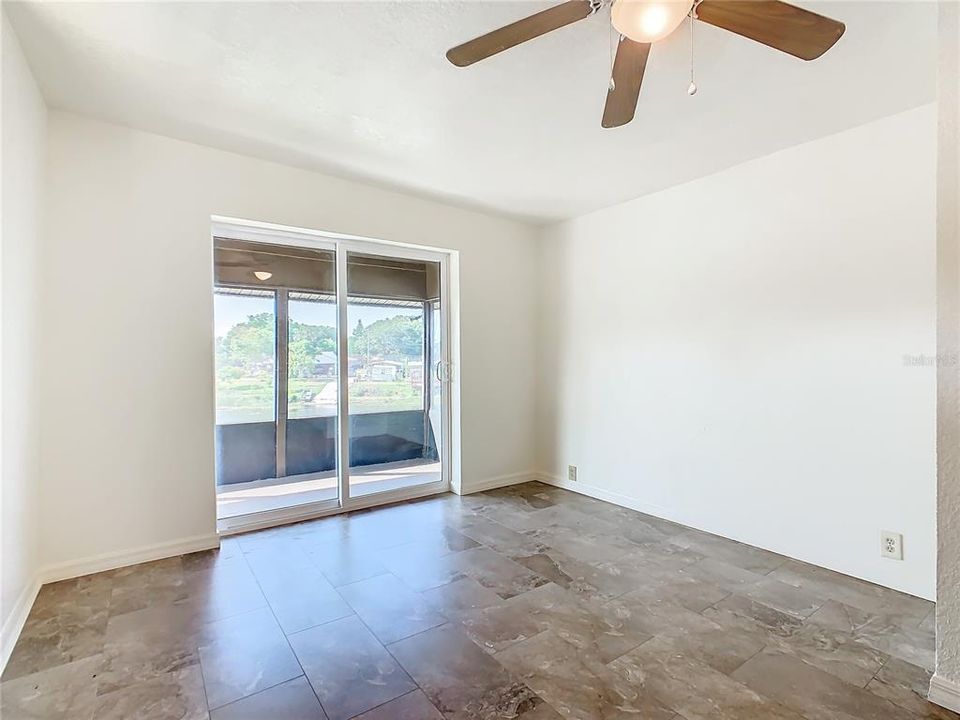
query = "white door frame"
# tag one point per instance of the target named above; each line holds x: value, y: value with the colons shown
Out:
x: 449, y: 320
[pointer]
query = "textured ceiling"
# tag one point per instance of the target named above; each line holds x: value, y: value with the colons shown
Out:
x: 362, y: 90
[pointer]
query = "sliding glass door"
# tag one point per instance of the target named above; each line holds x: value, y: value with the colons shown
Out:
x: 245, y: 346
x: 312, y: 386
x: 331, y: 350
x: 389, y: 311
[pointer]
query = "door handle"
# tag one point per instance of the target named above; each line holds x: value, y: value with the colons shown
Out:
x: 443, y: 371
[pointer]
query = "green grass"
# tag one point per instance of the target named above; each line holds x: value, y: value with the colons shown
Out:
x: 250, y: 399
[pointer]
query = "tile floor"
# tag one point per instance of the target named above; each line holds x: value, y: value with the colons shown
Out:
x: 528, y: 602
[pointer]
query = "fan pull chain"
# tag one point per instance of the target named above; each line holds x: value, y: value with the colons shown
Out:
x: 692, y: 88
x: 612, y: 85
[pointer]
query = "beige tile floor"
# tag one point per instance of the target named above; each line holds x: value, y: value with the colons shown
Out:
x: 528, y: 602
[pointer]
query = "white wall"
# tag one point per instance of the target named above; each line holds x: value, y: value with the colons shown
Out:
x: 128, y: 316
x: 729, y: 353
x: 945, y: 687
x: 24, y: 132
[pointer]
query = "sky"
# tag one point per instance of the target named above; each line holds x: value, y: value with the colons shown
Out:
x: 229, y: 310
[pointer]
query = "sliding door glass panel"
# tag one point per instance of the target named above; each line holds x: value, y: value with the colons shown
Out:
x: 312, y: 381
x: 245, y: 351
x: 392, y: 444
x: 276, y: 348
x: 435, y: 369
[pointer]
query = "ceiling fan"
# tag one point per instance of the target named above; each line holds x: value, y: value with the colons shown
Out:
x: 640, y: 23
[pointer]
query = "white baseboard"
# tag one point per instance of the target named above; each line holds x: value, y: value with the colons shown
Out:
x: 945, y: 693
x: 123, y: 558
x: 14, y: 622
x: 497, y: 482
x: 13, y: 625
x: 659, y: 512
x: 605, y: 495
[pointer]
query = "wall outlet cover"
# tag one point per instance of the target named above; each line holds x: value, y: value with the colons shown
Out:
x: 572, y: 473
x: 891, y: 545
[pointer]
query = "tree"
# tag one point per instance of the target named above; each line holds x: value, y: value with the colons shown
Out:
x: 305, y: 343
x: 396, y: 338
x: 357, y: 343
x: 248, y: 346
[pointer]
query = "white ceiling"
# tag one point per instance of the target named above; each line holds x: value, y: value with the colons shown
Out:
x: 362, y: 90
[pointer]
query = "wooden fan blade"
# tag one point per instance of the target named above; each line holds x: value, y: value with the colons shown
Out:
x: 628, y: 69
x: 784, y: 27
x: 519, y: 32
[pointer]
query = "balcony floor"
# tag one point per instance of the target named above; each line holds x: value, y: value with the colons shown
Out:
x: 253, y: 497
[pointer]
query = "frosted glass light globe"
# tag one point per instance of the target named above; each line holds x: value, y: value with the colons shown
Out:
x: 647, y: 21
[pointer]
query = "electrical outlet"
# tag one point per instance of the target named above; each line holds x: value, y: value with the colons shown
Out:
x: 891, y: 545
x: 572, y: 473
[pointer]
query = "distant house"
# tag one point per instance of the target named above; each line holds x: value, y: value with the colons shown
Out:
x: 325, y: 365
x: 385, y: 371
x: 415, y: 373
x: 353, y: 365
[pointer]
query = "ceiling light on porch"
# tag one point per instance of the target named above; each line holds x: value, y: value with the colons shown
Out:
x: 262, y: 274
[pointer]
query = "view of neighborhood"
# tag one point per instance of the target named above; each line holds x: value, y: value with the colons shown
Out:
x: 385, y: 350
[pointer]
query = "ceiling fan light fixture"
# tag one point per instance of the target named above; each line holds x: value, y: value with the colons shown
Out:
x: 647, y: 21
x: 640, y: 23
